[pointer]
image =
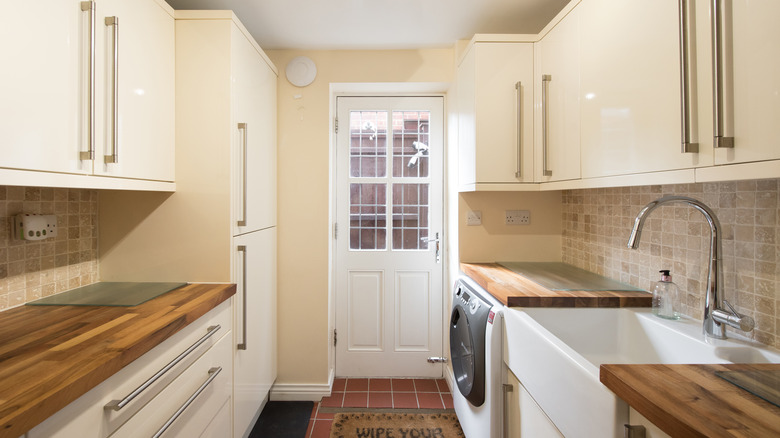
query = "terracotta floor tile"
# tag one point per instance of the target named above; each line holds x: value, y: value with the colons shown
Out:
x: 430, y: 400
x: 447, y: 398
x: 355, y: 399
x: 403, y: 385
x: 339, y: 385
x: 357, y: 385
x: 442, y: 384
x: 425, y: 385
x: 321, y: 429
x: 334, y: 401
x: 379, y: 385
x: 404, y: 400
x: 380, y: 400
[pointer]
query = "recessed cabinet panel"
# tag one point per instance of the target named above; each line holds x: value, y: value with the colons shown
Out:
x: 630, y: 88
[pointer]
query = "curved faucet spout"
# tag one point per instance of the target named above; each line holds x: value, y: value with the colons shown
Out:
x: 714, y: 297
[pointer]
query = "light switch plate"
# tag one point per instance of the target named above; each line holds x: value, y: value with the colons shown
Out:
x: 474, y: 218
x: 518, y: 217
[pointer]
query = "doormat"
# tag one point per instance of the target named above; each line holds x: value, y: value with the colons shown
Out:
x: 392, y: 425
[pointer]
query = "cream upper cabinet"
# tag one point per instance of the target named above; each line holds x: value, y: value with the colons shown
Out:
x: 630, y: 88
x: 58, y: 113
x: 495, y: 110
x: 557, y: 121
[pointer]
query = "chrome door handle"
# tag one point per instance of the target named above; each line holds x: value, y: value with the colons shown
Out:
x: 243, y: 128
x: 546, y: 171
x: 115, y: 405
x: 114, y: 157
x: 438, y: 245
x: 213, y: 372
x: 242, y: 345
x: 89, y: 154
x: 720, y: 141
x: 519, y: 88
x: 687, y: 146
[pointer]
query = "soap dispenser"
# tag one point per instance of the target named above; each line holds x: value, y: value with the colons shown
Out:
x: 666, y: 297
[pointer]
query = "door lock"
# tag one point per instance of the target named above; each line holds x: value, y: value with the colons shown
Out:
x: 438, y: 245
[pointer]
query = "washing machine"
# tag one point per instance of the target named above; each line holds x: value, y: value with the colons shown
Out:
x: 476, y: 330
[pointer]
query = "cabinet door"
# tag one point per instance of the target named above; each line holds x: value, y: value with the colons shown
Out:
x: 524, y: 417
x: 630, y: 83
x: 754, y: 37
x: 43, y: 84
x: 254, y: 137
x: 495, y: 107
x: 145, y: 101
x: 255, y: 330
x: 557, y: 125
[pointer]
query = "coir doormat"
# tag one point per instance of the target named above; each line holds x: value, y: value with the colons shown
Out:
x: 393, y: 425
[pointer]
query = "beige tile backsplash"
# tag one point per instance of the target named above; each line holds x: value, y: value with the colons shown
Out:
x: 33, y: 269
x: 597, y: 223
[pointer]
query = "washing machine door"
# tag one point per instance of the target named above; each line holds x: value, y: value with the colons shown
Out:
x: 462, y: 351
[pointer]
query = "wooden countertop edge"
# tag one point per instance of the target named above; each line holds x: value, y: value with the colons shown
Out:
x: 103, y: 358
x: 713, y: 406
x: 514, y: 290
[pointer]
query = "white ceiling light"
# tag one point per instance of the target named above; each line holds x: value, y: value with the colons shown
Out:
x: 301, y: 71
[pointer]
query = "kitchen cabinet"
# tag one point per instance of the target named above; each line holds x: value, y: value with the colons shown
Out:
x: 557, y: 121
x: 651, y: 430
x: 66, y: 97
x: 202, y: 345
x: 495, y: 114
x: 524, y: 418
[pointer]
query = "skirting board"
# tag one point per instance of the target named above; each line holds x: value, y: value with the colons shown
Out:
x: 302, y: 392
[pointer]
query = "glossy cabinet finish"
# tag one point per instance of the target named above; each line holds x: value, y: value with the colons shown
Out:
x: 557, y: 82
x: 495, y: 126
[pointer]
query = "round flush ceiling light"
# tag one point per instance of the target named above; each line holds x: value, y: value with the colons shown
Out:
x: 301, y: 71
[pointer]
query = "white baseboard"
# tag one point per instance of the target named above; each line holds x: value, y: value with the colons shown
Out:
x: 302, y: 392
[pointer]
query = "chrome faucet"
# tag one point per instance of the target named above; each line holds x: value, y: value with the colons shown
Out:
x: 715, y: 317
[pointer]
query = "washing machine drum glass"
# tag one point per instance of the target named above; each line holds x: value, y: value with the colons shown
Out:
x: 463, y: 355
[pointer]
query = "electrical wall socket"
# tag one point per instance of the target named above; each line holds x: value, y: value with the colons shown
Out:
x: 518, y: 217
x: 35, y: 226
x: 474, y: 218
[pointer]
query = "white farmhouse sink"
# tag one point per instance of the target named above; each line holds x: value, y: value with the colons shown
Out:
x: 556, y: 354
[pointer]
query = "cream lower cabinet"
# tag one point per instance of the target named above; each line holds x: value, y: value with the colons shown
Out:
x: 61, y: 115
x: 524, y: 418
x: 150, y: 410
x: 495, y: 114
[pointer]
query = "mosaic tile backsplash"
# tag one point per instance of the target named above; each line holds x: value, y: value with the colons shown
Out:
x: 597, y: 224
x: 33, y: 269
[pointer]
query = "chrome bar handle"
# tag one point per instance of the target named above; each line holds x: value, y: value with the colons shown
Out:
x: 720, y: 140
x: 114, y: 157
x: 546, y: 171
x: 519, y: 88
x: 115, y: 405
x: 213, y: 372
x: 686, y: 145
x: 242, y: 345
x: 507, y: 389
x: 89, y: 154
x: 243, y: 128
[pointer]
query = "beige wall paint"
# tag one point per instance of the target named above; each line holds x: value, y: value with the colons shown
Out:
x: 303, y: 205
x: 494, y: 241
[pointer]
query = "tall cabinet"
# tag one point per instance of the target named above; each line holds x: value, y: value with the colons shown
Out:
x: 220, y: 225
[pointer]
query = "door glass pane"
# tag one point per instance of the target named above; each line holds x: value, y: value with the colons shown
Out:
x: 410, y: 143
x: 368, y: 143
x: 367, y: 216
x: 410, y: 216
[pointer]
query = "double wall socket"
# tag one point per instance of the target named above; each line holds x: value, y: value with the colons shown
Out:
x: 518, y: 217
x: 474, y: 218
x: 35, y: 226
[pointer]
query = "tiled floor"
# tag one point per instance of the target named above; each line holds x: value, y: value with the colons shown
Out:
x: 378, y: 394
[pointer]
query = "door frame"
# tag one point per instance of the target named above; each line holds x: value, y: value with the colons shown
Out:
x: 389, y: 89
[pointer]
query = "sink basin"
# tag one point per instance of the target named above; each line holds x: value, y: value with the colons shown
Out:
x: 556, y: 354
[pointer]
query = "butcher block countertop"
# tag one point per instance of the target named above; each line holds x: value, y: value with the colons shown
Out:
x: 514, y: 290
x: 691, y: 401
x: 51, y: 355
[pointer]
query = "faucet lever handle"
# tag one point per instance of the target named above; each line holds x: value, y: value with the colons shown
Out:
x: 736, y: 319
x: 733, y: 311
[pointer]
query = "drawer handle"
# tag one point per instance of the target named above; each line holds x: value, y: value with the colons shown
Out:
x: 115, y: 405
x: 213, y: 372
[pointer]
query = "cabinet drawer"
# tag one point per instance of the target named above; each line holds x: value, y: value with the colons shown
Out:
x: 197, y: 396
x: 87, y: 416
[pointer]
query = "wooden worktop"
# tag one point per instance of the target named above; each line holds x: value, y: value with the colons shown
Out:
x: 51, y: 355
x: 691, y: 401
x: 514, y: 290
